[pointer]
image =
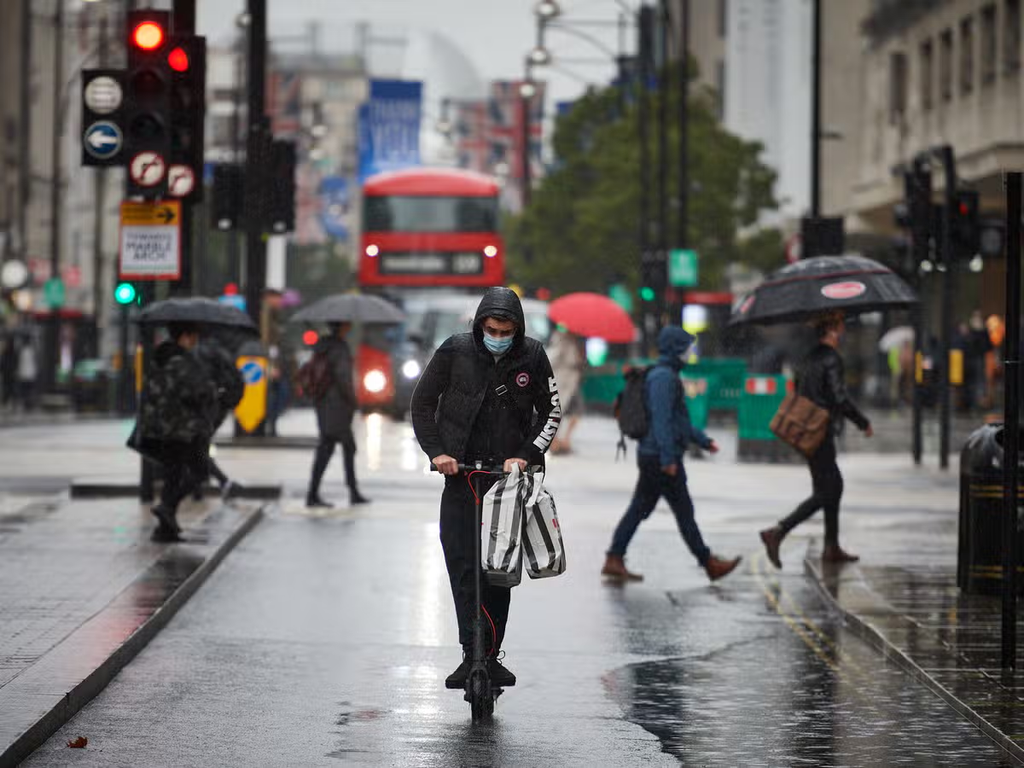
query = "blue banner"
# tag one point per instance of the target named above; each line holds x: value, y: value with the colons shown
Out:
x: 335, y: 202
x: 389, y: 127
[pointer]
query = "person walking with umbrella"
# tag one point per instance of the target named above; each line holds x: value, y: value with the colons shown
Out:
x: 335, y: 408
x: 821, y: 379
x: 179, y: 402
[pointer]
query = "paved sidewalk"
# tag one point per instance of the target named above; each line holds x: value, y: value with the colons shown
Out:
x: 83, y: 591
x: 903, y: 599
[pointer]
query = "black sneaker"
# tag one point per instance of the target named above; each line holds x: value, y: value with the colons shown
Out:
x: 501, y: 676
x: 164, y: 535
x: 168, y: 520
x: 355, y: 497
x: 457, y: 679
x: 316, y: 501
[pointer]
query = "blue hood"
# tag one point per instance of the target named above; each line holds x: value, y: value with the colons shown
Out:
x: 672, y: 344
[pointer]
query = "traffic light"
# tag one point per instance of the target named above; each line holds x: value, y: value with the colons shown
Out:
x: 965, y: 223
x: 124, y: 293
x: 102, y: 123
x: 186, y: 64
x: 147, y: 104
x: 281, y: 187
x: 227, y: 197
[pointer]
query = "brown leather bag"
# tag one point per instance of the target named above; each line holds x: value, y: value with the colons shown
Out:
x: 801, y: 423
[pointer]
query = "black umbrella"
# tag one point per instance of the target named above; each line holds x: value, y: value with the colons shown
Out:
x: 350, y: 308
x: 196, y: 309
x: 798, y: 292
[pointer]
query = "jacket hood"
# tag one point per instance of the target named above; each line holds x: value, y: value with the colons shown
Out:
x: 502, y: 303
x: 673, y: 343
x: 167, y: 350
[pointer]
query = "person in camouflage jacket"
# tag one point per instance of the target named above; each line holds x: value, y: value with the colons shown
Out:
x: 179, y: 404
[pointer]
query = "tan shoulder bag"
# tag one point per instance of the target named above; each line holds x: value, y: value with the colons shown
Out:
x: 801, y: 423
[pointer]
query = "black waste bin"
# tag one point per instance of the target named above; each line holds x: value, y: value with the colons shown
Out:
x: 979, y: 563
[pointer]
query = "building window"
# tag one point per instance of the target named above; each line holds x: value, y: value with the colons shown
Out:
x: 723, y: 17
x: 897, y: 87
x: 1011, y: 37
x: 967, y: 56
x: 927, y: 61
x: 989, y: 51
x: 946, y: 65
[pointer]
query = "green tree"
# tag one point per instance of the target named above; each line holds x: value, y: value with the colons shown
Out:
x: 582, y: 229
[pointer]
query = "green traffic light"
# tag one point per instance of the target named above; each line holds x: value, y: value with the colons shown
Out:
x: 124, y: 293
x: 647, y: 294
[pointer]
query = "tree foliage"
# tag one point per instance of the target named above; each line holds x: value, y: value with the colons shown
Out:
x: 582, y: 229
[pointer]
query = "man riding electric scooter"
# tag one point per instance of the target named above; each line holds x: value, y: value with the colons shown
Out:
x: 487, y: 397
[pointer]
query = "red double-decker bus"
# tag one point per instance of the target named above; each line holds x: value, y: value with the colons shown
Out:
x: 431, y: 227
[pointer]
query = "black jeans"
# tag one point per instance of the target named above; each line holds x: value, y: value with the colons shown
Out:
x: 651, y: 485
x: 828, y: 492
x: 324, y: 451
x: 459, y: 526
x: 186, y: 466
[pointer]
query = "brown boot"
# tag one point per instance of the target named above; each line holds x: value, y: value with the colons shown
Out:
x: 717, y: 568
x: 772, y: 538
x: 615, y: 568
x: 835, y: 554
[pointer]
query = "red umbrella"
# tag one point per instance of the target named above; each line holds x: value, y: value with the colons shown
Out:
x: 593, y: 315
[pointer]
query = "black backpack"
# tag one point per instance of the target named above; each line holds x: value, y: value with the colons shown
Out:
x: 631, y: 408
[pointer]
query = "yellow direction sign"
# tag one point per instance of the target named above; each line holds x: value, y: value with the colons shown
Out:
x: 150, y: 241
x: 252, y: 409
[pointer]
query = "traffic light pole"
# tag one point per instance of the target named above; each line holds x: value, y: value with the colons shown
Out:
x: 52, y: 345
x: 1011, y: 434
x: 256, y: 139
x: 919, y: 197
x: 945, y: 154
x: 643, y: 110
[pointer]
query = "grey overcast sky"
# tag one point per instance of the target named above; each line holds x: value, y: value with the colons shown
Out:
x: 493, y: 37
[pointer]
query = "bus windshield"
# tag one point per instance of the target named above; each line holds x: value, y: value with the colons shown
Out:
x: 430, y: 214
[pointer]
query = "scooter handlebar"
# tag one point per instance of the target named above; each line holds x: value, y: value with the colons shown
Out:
x: 496, y: 469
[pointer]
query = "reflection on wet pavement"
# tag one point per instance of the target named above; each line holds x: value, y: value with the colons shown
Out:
x: 804, y: 691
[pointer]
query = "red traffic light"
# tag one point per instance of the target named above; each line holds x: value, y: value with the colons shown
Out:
x: 177, y: 59
x: 231, y: 289
x: 148, y: 35
x: 964, y: 209
x: 309, y: 338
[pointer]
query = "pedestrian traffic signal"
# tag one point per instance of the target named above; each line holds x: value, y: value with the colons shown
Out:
x: 227, y: 197
x: 124, y: 293
x: 647, y: 293
x: 966, y: 228
x: 281, y: 189
x: 147, y: 104
x: 186, y: 64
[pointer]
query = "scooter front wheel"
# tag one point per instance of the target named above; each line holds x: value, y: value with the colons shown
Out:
x: 480, y: 696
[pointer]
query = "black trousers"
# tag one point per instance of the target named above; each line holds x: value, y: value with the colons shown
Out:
x: 324, y: 451
x: 185, y: 468
x: 459, y: 527
x: 828, y: 492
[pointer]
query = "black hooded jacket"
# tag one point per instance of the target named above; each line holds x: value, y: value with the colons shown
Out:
x: 472, y: 406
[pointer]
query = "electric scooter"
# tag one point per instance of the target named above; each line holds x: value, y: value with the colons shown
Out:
x: 480, y: 693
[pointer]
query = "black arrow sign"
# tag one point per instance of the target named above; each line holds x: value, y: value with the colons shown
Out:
x: 167, y: 214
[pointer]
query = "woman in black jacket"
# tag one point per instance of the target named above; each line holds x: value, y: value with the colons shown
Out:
x: 822, y: 380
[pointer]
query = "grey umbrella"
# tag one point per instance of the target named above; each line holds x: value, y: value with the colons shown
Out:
x: 350, y: 308
x: 195, y: 309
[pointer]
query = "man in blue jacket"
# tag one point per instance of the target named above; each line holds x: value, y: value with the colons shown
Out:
x: 660, y: 459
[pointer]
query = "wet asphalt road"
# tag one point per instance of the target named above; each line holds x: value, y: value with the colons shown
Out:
x: 324, y: 640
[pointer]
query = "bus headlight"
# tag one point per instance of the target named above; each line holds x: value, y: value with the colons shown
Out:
x: 372, y: 250
x: 490, y: 251
x: 375, y: 381
x: 410, y: 369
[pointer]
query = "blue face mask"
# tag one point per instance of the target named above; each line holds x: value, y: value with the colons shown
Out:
x: 498, y: 346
